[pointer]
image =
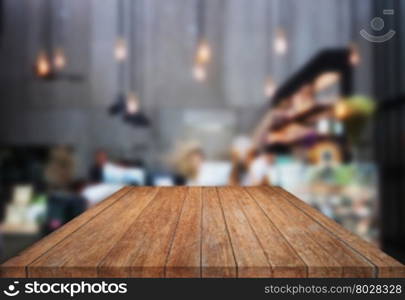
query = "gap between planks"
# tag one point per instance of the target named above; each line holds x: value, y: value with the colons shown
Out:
x: 331, y: 268
x: 15, y: 263
x: 381, y: 264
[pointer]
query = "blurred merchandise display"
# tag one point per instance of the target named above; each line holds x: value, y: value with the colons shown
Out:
x: 316, y: 117
x: 346, y: 193
x: 25, y: 213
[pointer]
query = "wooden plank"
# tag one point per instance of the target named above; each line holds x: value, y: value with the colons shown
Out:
x: 387, y: 266
x: 249, y: 254
x: 143, y: 250
x: 324, y: 256
x: 282, y: 257
x: 16, y: 266
x: 208, y: 232
x: 217, y: 259
x: 80, y: 253
x: 185, y: 255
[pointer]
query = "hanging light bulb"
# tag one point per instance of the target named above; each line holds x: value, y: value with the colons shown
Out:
x: 270, y: 88
x: 199, y: 72
x: 354, y: 56
x: 120, y: 51
x: 203, y: 53
x: 43, y: 66
x: 132, y: 105
x: 59, y: 59
x: 280, y: 42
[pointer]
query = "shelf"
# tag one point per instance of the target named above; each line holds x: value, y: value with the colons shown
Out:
x: 302, y: 116
x: 329, y: 60
x: 309, y: 139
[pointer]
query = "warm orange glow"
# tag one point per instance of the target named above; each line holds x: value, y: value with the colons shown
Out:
x: 120, y: 50
x: 43, y: 66
x: 341, y: 110
x: 132, y: 103
x: 199, y: 72
x: 203, y: 53
x: 59, y: 59
x: 270, y: 88
x: 355, y: 58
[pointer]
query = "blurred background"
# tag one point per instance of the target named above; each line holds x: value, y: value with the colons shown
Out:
x: 95, y: 95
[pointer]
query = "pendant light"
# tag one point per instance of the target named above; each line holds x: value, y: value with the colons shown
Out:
x: 280, y: 42
x: 199, y: 72
x: 59, y: 59
x: 270, y: 86
x: 119, y: 105
x: 59, y: 56
x: 121, y: 47
x: 42, y: 67
x: 127, y: 103
x: 133, y: 114
x: 354, y: 57
x: 132, y: 101
x: 203, y: 53
x: 51, y: 60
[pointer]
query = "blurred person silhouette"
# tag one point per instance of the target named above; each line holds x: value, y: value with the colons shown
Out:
x: 242, y: 156
x: 260, y: 166
x: 187, y: 160
x: 64, y: 201
x: 96, y: 170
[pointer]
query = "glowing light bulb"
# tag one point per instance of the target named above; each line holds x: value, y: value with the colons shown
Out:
x: 203, y: 53
x: 280, y: 43
x: 354, y: 57
x: 269, y: 88
x: 132, y: 105
x: 59, y: 59
x: 120, y: 51
x: 341, y: 110
x: 43, y: 66
x: 199, y: 72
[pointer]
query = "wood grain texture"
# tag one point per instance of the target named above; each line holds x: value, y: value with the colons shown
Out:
x: 143, y: 250
x: 324, y: 256
x: 283, y: 259
x: 16, y: 266
x: 217, y: 258
x: 184, y: 259
x: 353, y: 264
x: 80, y: 255
x: 250, y: 257
x: 386, y: 265
x: 202, y: 232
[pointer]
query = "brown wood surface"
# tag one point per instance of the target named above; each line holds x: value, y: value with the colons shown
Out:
x: 217, y: 258
x: 17, y: 266
x: 202, y: 232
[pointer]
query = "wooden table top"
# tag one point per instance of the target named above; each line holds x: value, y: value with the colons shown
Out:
x: 202, y: 232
